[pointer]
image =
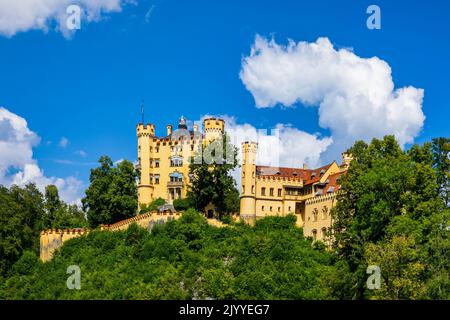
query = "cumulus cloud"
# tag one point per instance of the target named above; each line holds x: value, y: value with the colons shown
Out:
x: 17, y: 165
x: 24, y: 15
x: 281, y: 146
x: 63, y: 142
x: 355, y: 96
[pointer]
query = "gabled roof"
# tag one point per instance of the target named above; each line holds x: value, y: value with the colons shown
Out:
x: 307, y: 175
x: 333, y: 185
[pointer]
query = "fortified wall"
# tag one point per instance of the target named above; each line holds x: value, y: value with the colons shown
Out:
x: 53, y: 239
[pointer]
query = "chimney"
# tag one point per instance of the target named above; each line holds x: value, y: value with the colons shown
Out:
x: 305, y: 166
x: 169, y: 129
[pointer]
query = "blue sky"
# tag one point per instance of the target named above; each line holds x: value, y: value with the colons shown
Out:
x: 185, y: 59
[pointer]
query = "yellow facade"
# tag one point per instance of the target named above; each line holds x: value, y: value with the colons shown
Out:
x: 308, y: 193
x: 164, y: 161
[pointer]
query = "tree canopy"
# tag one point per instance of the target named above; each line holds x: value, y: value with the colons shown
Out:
x: 112, y: 193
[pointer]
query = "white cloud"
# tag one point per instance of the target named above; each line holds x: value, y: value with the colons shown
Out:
x: 81, y: 153
x: 63, y: 142
x: 355, y: 96
x: 283, y: 145
x: 24, y: 15
x: 17, y: 165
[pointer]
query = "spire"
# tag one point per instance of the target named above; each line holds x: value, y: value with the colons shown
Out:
x: 182, y: 123
x: 142, y: 111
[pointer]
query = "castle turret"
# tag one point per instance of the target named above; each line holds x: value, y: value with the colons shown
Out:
x: 145, y: 189
x: 214, y: 128
x: 248, y: 200
x: 346, y: 159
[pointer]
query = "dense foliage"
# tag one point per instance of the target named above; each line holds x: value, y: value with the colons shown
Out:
x: 211, y: 177
x: 183, y: 259
x: 24, y: 212
x: 390, y: 214
x: 112, y: 193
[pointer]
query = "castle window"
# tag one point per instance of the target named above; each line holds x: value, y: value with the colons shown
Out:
x: 263, y: 191
x: 279, y: 209
x: 322, y: 172
x: 324, y: 233
x: 156, y: 178
x: 271, y: 192
x: 253, y: 174
x: 315, y: 213
x: 157, y: 149
x: 270, y: 209
x: 151, y: 163
x: 176, y: 177
x: 279, y: 192
x: 314, y: 234
x: 151, y: 179
x: 253, y: 189
x: 243, y: 188
x: 157, y: 163
x: 191, y: 177
x: 330, y: 189
x: 324, y: 212
x: 262, y: 208
x: 289, y: 209
x: 176, y: 161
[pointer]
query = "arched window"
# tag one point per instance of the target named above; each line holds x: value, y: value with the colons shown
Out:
x: 324, y: 233
x: 315, y: 214
x: 324, y: 212
x: 314, y: 234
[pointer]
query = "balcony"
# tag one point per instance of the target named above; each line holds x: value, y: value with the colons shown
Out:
x: 175, y: 184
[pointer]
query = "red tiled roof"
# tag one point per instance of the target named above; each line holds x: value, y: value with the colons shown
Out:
x: 304, y: 174
x: 333, y: 182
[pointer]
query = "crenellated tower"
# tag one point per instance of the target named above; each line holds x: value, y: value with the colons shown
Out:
x: 214, y: 128
x: 145, y: 189
x: 248, y: 196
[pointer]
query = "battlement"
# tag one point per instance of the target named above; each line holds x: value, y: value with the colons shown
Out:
x: 275, y: 178
x: 53, y: 239
x: 214, y: 124
x: 321, y: 198
x: 147, y: 130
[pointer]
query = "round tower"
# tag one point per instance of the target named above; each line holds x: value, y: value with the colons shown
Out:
x: 145, y: 189
x: 248, y: 200
x: 214, y: 128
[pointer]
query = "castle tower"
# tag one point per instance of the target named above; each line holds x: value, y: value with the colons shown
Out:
x: 214, y: 128
x: 145, y: 189
x: 248, y: 201
x: 346, y: 159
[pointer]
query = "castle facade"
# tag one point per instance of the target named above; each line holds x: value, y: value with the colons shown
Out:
x: 163, y: 162
x: 277, y: 191
x: 265, y: 191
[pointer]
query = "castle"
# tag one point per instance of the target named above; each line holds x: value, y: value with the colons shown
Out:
x: 265, y: 191
x: 277, y: 191
x: 163, y: 161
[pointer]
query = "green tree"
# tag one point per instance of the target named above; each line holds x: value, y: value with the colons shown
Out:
x: 212, y: 181
x: 441, y: 163
x: 385, y: 192
x: 112, y: 193
x: 21, y: 220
